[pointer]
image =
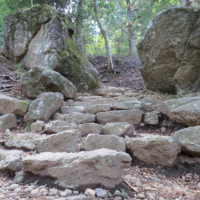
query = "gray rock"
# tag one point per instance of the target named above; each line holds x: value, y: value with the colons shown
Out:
x: 71, y: 109
x: 12, y: 105
x: 90, y: 192
x: 44, y: 106
x: 66, y: 141
x: 154, y: 149
x: 65, y: 193
x: 10, y: 160
x: 53, y: 192
x: 130, y: 116
x: 59, y: 126
x: 106, y: 91
x: 150, y: 195
x: 23, y: 140
x: 127, y: 105
x: 189, y: 140
x: 88, y: 128
x: 101, y: 193
x: 119, y: 129
x: 90, y: 102
x: 59, y: 117
x: 166, y: 54
x: 7, y: 121
x: 40, y: 79
x: 75, y: 192
x: 93, y: 142
x: 148, y: 104
x: 118, y: 198
x: 93, y: 109
x: 80, y: 118
x: 117, y: 193
x: 184, y: 110
x: 37, y: 126
x: 102, y: 166
x: 151, y: 118
x: 78, y: 197
x: 13, y: 187
x: 19, y: 177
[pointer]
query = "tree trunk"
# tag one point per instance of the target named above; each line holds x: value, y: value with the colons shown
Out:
x: 79, y: 21
x: 31, y: 2
x: 132, y: 49
x: 111, y: 68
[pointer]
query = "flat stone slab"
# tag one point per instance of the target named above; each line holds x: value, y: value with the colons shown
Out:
x: 66, y: 141
x: 59, y: 126
x: 80, y: 118
x: 93, y: 142
x: 73, y: 170
x: 93, y: 109
x: 154, y: 149
x: 133, y: 116
x: 184, y: 110
x: 23, y: 140
x: 119, y: 129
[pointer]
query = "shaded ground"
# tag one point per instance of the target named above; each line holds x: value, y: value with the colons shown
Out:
x: 128, y: 72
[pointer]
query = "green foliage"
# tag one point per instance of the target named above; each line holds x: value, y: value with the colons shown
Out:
x: 113, y: 14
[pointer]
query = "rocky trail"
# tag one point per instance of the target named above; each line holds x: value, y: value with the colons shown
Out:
x: 141, y: 156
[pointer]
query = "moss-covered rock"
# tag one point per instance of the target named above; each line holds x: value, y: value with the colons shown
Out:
x: 170, y: 50
x: 40, y: 79
x: 42, y: 36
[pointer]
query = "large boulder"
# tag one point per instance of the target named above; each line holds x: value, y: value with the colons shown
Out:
x: 154, y: 149
x: 71, y: 170
x: 41, y: 36
x: 39, y: 79
x: 183, y: 110
x: 12, y: 105
x: 189, y: 139
x: 44, y: 106
x: 169, y: 51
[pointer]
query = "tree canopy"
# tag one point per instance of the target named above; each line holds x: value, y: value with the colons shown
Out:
x: 124, y: 20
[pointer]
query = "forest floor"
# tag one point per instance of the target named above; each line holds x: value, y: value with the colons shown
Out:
x: 180, y: 181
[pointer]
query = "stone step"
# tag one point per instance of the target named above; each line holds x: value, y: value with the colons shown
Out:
x: 102, y: 166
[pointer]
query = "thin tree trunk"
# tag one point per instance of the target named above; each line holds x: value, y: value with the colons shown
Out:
x: 31, y: 2
x: 79, y: 21
x: 132, y: 49
x: 111, y: 68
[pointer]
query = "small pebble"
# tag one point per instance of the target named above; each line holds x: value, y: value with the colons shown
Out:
x: 66, y: 193
x: 117, y: 193
x: 142, y: 196
x: 90, y: 192
x: 101, y: 193
x: 75, y: 192
x: 53, y: 192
